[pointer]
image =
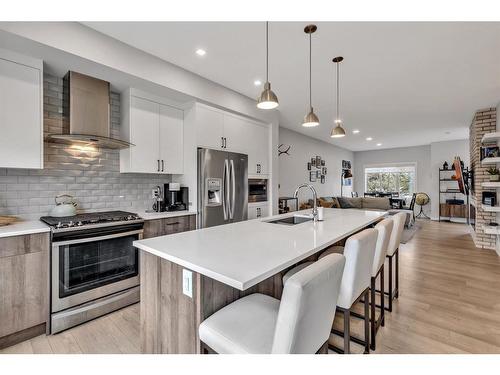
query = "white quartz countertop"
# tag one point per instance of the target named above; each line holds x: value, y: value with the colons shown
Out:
x: 245, y: 253
x: 164, y: 215
x: 23, y: 227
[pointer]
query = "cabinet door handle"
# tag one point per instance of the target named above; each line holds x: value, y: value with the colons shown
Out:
x: 225, y: 142
x: 162, y: 166
x: 222, y: 142
x: 175, y: 223
x: 158, y: 165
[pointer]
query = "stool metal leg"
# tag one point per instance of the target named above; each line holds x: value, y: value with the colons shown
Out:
x: 372, y: 313
x: 347, y: 332
x: 396, y: 292
x: 382, y: 297
x: 367, y: 323
x: 390, y: 285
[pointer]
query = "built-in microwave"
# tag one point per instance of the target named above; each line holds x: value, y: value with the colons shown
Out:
x: 257, y: 190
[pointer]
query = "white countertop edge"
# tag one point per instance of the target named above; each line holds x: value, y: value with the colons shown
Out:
x: 192, y: 267
x: 22, y: 228
x: 164, y: 215
x: 248, y: 284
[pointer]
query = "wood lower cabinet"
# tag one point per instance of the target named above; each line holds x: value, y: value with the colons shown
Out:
x: 24, y: 292
x: 171, y: 225
x: 453, y: 210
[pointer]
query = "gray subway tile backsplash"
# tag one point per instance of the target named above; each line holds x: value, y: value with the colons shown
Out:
x: 92, y: 177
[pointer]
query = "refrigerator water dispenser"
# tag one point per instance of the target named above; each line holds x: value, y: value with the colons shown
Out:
x: 213, y: 192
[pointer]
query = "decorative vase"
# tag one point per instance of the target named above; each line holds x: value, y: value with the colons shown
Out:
x: 494, y: 177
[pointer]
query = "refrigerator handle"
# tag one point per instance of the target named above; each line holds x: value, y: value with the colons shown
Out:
x: 225, y: 186
x: 233, y: 188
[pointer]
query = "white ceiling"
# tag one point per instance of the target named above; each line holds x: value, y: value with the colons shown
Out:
x: 403, y: 84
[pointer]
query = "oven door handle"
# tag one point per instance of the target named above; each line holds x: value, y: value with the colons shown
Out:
x: 99, y: 238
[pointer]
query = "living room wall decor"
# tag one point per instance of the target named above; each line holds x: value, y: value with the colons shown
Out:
x: 320, y: 172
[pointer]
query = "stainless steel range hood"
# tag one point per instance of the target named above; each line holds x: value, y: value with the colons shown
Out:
x: 87, y: 113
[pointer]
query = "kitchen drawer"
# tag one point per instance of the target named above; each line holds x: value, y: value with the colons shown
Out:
x: 171, y: 225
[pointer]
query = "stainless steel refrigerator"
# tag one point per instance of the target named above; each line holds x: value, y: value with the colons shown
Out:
x: 222, y: 187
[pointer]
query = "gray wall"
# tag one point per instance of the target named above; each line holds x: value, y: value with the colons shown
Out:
x: 91, y: 176
x: 418, y: 154
x: 293, y: 168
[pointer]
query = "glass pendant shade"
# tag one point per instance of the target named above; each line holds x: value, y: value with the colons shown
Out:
x: 310, y: 120
x: 268, y: 99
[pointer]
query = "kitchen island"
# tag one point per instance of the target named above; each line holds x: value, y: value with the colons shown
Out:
x: 186, y: 277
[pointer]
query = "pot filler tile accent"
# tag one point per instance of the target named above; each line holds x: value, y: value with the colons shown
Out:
x: 91, y: 175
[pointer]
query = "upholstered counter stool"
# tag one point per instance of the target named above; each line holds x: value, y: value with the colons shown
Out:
x: 384, y: 229
x: 359, y: 252
x: 393, y: 253
x: 300, y: 323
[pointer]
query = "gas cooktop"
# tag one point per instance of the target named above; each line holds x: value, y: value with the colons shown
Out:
x: 90, y: 220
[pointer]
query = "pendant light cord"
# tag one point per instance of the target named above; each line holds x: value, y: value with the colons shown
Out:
x: 338, y: 85
x: 310, y: 73
x: 267, y: 51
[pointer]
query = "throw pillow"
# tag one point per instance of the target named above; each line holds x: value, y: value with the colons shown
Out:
x: 324, y: 203
x: 344, y: 203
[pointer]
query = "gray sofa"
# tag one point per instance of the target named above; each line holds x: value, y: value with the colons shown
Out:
x: 363, y: 203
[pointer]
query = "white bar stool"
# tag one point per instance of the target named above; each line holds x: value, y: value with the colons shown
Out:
x: 359, y: 252
x: 393, y: 251
x: 384, y: 229
x: 300, y: 323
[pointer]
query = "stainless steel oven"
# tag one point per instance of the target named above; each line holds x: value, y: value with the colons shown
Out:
x: 94, y: 270
x: 257, y: 190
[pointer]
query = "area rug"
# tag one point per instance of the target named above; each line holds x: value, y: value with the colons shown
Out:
x: 408, y: 233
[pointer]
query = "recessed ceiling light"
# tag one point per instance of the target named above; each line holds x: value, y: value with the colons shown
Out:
x: 257, y: 82
x: 379, y: 144
x: 201, y: 52
x: 355, y: 131
x: 369, y: 138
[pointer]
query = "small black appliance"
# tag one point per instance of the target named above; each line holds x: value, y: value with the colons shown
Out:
x: 176, y: 197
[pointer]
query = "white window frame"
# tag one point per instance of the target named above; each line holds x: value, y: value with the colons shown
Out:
x: 391, y: 165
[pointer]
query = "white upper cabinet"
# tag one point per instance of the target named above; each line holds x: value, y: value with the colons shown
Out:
x: 157, y: 132
x: 21, y: 111
x: 236, y: 133
x: 228, y: 132
x: 209, y: 127
x: 171, y: 139
x: 144, y: 127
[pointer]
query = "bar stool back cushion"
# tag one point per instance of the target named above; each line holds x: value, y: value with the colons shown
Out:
x: 397, y: 231
x: 307, y: 307
x: 359, y: 252
x: 384, y: 229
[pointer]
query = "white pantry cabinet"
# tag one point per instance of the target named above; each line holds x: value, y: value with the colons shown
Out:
x: 21, y: 111
x: 157, y: 132
x: 221, y: 130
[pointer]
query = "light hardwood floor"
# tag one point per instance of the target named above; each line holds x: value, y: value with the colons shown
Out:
x: 449, y: 303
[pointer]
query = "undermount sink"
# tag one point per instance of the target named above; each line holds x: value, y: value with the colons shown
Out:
x: 292, y: 220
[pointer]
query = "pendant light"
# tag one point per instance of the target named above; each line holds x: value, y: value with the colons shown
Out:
x: 338, y: 131
x: 310, y: 119
x: 267, y: 99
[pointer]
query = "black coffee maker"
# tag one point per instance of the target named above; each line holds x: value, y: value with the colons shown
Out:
x: 176, y: 197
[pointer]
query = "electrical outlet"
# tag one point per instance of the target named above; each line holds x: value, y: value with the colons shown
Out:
x: 187, y: 283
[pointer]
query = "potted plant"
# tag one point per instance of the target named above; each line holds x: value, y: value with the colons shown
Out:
x: 494, y: 173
